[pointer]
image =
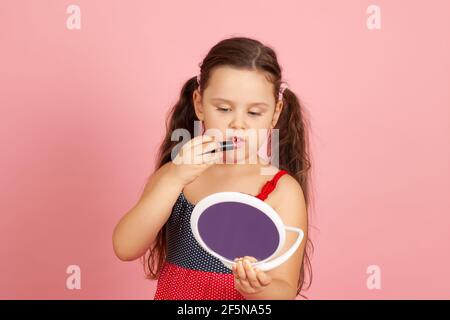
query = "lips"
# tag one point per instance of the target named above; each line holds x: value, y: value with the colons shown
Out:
x: 238, y: 141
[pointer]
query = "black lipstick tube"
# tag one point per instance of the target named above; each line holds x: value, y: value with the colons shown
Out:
x: 224, y: 146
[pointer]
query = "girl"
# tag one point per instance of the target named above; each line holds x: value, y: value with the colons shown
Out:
x: 238, y: 89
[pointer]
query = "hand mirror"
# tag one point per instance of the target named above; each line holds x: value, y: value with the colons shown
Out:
x: 234, y: 224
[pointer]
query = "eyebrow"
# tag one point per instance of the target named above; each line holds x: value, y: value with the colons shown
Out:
x: 231, y: 102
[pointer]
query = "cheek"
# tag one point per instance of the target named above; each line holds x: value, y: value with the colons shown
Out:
x: 262, y: 121
x: 268, y: 117
x: 215, y: 119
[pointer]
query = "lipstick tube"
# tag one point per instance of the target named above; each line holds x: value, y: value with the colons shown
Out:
x: 224, y: 146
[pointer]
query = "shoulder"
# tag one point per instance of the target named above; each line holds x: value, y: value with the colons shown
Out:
x: 288, y: 188
x: 289, y: 201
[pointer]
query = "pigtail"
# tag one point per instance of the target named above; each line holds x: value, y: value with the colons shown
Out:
x: 180, y: 116
x: 295, y: 157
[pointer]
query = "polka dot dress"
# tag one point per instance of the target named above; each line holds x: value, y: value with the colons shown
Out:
x: 190, y: 272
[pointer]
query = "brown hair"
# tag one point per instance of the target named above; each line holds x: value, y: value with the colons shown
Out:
x: 294, y: 150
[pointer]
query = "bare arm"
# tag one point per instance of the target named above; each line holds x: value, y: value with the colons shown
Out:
x: 137, y: 229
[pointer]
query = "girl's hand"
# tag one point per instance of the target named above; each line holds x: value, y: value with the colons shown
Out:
x: 247, y: 279
x: 190, y: 163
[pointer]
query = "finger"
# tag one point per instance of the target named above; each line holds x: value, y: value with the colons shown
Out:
x: 252, y: 259
x: 201, y: 139
x: 245, y: 285
x: 204, y: 145
x: 264, y: 278
x: 233, y: 268
x: 209, y: 146
x: 187, y: 148
x: 251, y: 274
x: 197, y: 143
x: 211, y: 158
x: 240, y: 270
x: 204, y: 151
x: 237, y: 285
x: 201, y: 153
x: 237, y: 282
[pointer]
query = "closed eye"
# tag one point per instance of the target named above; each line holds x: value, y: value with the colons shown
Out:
x: 223, y: 109
x: 252, y: 113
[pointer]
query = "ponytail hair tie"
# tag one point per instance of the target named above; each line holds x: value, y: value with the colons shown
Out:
x: 283, y: 86
x: 198, y: 81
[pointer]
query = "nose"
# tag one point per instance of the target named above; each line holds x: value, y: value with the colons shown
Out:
x: 237, y: 122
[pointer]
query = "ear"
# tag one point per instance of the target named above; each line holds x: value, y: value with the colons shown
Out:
x: 198, y: 107
x: 277, y: 113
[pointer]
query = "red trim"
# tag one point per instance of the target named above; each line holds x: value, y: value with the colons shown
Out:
x: 269, y: 186
x: 178, y: 283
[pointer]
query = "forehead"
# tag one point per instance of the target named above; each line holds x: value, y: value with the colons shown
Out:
x: 239, y: 85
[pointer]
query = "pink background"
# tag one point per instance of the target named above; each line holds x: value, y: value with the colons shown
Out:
x: 82, y: 116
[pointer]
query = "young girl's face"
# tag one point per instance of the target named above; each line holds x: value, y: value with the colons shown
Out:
x: 238, y: 102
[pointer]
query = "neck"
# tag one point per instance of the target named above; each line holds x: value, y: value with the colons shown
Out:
x: 237, y: 170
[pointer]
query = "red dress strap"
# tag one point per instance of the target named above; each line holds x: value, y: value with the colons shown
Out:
x: 270, y: 185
